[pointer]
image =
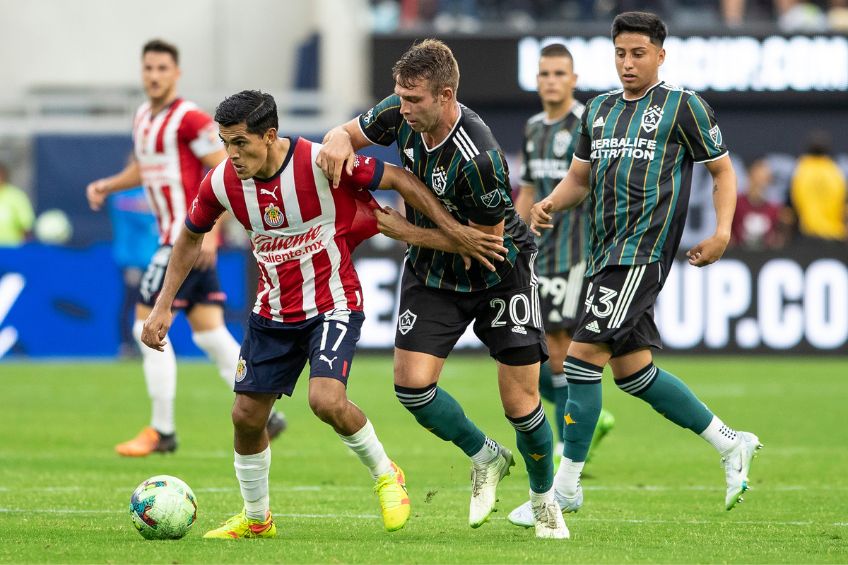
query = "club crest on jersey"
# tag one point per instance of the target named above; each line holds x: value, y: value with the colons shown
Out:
x: 651, y: 118
x: 715, y: 135
x: 274, y: 216
x: 491, y: 199
x: 439, y: 181
x: 406, y: 321
x: 241, y: 369
x: 562, y: 140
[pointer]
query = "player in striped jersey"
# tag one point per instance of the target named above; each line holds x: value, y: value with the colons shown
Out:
x: 634, y: 159
x: 546, y: 156
x: 174, y: 141
x: 449, y: 148
x: 309, y: 301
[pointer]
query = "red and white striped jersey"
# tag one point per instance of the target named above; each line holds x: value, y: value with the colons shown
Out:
x: 302, y: 231
x: 168, y: 148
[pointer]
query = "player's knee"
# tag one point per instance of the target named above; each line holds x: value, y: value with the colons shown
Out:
x: 247, y: 421
x: 327, y: 407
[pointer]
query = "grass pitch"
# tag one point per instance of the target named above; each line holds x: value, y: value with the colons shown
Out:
x: 654, y: 493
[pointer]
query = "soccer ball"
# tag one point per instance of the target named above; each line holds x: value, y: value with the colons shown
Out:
x: 53, y: 226
x: 163, y: 507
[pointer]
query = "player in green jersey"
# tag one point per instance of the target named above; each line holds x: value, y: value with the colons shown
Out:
x: 452, y: 151
x: 634, y: 156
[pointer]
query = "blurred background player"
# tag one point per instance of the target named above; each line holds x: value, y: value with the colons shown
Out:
x: 174, y: 141
x: 621, y: 162
x: 451, y: 150
x: 16, y: 214
x: 309, y: 302
x: 561, y: 264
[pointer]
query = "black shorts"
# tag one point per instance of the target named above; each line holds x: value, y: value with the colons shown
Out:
x: 273, y: 354
x: 505, y: 316
x: 561, y: 297
x: 619, y: 309
x: 199, y: 287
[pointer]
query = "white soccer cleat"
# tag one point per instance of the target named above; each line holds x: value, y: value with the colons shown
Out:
x: 548, y: 520
x: 523, y: 515
x: 736, y: 465
x: 484, y: 484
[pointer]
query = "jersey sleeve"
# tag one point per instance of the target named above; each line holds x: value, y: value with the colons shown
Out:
x: 526, y: 177
x: 200, y: 133
x: 367, y: 174
x: 205, y: 208
x: 581, y: 145
x: 380, y: 124
x: 484, y: 185
x: 699, y: 132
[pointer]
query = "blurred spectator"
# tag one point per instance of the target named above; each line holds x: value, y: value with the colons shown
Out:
x: 818, y: 191
x: 837, y: 15
x: 16, y: 215
x: 758, y: 223
x: 135, y: 238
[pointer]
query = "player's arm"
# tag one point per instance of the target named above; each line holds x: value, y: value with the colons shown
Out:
x: 97, y: 191
x: 185, y: 253
x: 570, y: 192
x: 724, y: 201
x: 452, y: 236
x: 208, y: 257
x: 339, y: 150
x: 524, y: 201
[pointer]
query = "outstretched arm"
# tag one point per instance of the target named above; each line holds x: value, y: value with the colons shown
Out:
x: 724, y: 201
x: 97, y: 191
x: 185, y: 253
x: 566, y: 195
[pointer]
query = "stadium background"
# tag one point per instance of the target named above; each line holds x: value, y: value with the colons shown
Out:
x: 70, y: 90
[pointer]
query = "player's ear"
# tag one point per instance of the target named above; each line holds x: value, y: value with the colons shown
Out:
x: 270, y: 136
x: 446, y: 94
x: 661, y: 56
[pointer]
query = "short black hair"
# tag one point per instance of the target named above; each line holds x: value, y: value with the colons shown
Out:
x: 161, y: 46
x: 257, y: 110
x: 819, y: 142
x: 640, y: 22
x: 556, y: 50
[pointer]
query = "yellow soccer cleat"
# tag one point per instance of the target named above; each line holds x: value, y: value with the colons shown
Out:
x: 394, y: 500
x: 240, y: 526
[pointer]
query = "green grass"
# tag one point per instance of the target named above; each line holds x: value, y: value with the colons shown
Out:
x: 655, y: 493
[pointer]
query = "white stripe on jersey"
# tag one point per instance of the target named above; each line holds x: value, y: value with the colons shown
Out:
x: 467, y: 139
x: 178, y: 196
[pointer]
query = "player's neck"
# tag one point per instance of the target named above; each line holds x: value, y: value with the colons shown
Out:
x: 636, y: 94
x: 158, y: 104
x: 443, y: 128
x: 556, y: 111
x: 276, y: 155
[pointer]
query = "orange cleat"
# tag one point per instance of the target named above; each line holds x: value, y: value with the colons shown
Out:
x: 146, y: 442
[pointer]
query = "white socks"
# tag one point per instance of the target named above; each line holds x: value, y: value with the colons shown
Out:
x: 568, y: 476
x: 222, y: 349
x: 720, y: 436
x: 160, y: 373
x: 486, y: 454
x: 368, y: 448
x: 252, y: 473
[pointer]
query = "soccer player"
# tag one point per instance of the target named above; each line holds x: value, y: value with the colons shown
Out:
x: 309, y: 301
x: 451, y: 150
x: 561, y: 265
x: 174, y: 141
x: 633, y: 159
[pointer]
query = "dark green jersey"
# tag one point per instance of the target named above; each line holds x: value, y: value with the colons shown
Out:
x: 467, y: 172
x: 546, y: 156
x: 641, y: 154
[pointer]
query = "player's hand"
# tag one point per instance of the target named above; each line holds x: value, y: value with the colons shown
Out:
x: 483, y: 247
x: 156, y: 327
x: 540, y: 216
x: 708, y: 251
x: 391, y: 223
x: 208, y: 257
x: 96, y: 193
x: 336, y: 155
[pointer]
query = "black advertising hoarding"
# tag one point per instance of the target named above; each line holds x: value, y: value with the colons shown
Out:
x: 793, y: 301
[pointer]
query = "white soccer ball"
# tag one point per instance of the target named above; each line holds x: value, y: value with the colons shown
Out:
x: 53, y: 226
x: 163, y: 507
